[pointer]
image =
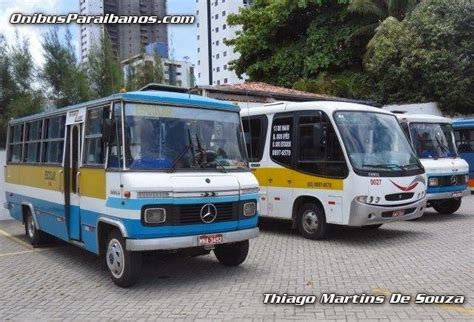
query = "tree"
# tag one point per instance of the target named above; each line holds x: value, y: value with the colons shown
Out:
x: 62, y: 75
x: 104, y: 70
x: 147, y: 70
x: 427, y: 57
x: 282, y: 42
x: 380, y: 12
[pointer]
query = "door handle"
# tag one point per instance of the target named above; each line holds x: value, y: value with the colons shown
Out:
x: 61, y: 183
x: 78, y: 175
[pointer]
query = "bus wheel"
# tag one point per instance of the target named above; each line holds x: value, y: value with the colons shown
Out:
x: 35, y: 236
x: 124, y: 266
x: 312, y: 221
x: 232, y: 254
x: 447, y: 207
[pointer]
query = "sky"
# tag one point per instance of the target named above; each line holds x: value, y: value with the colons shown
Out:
x: 182, y: 38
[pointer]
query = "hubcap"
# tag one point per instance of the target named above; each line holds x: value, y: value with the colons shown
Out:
x: 31, y: 226
x: 310, y: 221
x: 115, y: 258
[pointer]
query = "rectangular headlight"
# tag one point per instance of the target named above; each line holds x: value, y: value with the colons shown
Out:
x: 155, y: 215
x: 250, y: 209
x: 249, y: 190
x: 432, y: 182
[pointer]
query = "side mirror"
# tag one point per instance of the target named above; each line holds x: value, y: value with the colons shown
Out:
x: 108, y: 131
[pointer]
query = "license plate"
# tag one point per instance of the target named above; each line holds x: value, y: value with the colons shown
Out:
x: 457, y: 194
x: 211, y: 239
x: 398, y: 213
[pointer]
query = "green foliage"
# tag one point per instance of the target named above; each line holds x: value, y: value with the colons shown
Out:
x: 427, y: 57
x: 146, y: 72
x: 284, y: 41
x: 103, y: 68
x: 61, y: 73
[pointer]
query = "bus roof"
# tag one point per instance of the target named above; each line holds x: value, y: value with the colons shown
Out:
x: 464, y: 123
x: 156, y: 97
x: 423, y: 118
x: 326, y: 106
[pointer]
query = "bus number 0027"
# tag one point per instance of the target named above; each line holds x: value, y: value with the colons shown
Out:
x: 375, y: 182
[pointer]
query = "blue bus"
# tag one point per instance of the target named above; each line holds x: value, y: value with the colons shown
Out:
x: 464, y: 134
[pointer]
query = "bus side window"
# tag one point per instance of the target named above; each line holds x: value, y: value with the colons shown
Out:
x: 53, y: 139
x: 406, y: 130
x: 15, y: 144
x: 255, y: 131
x: 320, y: 152
x: 115, y: 149
x: 94, y: 153
x: 281, y: 145
x: 33, y: 142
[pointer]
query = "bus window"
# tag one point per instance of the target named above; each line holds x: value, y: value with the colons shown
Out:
x: 16, y: 143
x: 464, y: 140
x: 115, y: 149
x: 281, y: 140
x: 33, y: 142
x: 319, y: 150
x: 54, y: 139
x: 255, y: 131
x: 93, y: 146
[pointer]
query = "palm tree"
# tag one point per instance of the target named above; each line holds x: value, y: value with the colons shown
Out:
x: 385, y: 11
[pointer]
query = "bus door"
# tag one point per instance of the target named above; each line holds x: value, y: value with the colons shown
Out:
x: 74, y: 129
x: 279, y: 181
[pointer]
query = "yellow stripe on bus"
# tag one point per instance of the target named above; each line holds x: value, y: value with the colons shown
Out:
x: 91, y: 180
x: 287, y: 178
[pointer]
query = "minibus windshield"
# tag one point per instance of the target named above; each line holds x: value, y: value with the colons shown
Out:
x: 375, y: 141
x: 174, y: 138
x: 433, y: 140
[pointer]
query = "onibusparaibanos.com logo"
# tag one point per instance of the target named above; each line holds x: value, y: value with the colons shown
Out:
x: 109, y: 18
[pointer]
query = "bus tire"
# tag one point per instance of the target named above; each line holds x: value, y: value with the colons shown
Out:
x: 311, y: 221
x: 448, y: 206
x: 124, y: 266
x: 232, y: 254
x: 35, y: 236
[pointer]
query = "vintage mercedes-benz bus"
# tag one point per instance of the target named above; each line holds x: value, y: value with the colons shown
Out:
x: 136, y: 171
x: 321, y: 163
x: 432, y: 138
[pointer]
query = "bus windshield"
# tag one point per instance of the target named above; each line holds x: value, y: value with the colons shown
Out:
x: 173, y: 138
x: 375, y: 141
x: 433, y: 140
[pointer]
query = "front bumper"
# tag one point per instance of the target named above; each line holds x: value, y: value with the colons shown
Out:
x: 446, y: 195
x: 366, y: 214
x: 180, y: 242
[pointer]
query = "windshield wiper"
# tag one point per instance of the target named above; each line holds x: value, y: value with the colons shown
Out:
x: 203, y: 153
x: 385, y: 166
x: 188, y: 147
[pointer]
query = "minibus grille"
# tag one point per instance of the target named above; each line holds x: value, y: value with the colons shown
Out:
x: 399, y: 196
x: 387, y: 214
x: 191, y: 214
x: 444, y: 181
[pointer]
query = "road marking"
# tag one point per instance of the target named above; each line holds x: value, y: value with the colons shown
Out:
x: 447, y: 307
x: 24, y: 252
x: 15, y: 239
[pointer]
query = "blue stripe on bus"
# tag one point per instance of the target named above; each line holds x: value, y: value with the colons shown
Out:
x: 51, y: 219
x: 446, y: 189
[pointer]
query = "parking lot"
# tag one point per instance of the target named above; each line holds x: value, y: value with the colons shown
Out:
x: 433, y: 255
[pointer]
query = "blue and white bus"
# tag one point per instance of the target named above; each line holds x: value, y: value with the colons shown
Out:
x: 432, y: 138
x: 464, y: 134
x: 136, y: 171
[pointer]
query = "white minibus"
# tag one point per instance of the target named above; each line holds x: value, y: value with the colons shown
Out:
x: 321, y: 163
x: 433, y: 139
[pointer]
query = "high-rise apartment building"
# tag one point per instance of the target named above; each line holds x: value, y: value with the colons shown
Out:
x: 213, y: 54
x: 127, y: 39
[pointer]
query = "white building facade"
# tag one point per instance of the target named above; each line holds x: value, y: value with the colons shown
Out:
x: 91, y: 33
x: 213, y: 54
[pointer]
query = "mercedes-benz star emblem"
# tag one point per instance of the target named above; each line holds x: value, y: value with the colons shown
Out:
x: 454, y: 180
x: 208, y: 213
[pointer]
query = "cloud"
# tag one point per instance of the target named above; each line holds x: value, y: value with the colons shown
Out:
x: 32, y: 32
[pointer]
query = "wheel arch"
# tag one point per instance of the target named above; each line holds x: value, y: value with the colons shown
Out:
x: 29, y: 206
x: 104, y: 226
x: 301, y: 200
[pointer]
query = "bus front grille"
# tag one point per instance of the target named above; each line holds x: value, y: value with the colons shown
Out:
x: 399, y: 196
x: 191, y: 214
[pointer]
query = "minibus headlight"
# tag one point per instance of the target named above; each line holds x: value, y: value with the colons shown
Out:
x: 362, y: 199
x: 249, y: 190
x: 155, y: 215
x: 250, y: 209
x: 432, y: 182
